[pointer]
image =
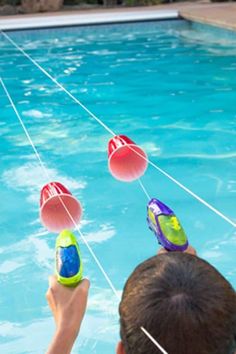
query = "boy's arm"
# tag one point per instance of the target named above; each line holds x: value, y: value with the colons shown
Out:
x: 68, y: 306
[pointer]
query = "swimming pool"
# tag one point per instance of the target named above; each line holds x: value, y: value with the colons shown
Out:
x: 168, y: 85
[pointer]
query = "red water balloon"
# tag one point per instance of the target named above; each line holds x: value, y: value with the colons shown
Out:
x: 56, y: 203
x: 126, y: 160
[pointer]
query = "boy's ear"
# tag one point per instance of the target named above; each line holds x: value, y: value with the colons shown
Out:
x: 120, y: 348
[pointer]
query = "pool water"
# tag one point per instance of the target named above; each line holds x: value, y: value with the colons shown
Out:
x: 169, y: 86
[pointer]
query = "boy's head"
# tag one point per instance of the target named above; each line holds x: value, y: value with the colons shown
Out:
x: 183, y: 302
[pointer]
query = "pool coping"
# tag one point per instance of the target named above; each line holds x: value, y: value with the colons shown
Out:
x: 220, y: 15
x: 80, y: 19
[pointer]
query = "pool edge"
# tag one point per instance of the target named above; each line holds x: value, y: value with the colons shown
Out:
x: 184, y: 15
x: 85, y: 19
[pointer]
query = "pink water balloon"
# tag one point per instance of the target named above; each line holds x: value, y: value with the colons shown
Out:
x: 56, y: 203
x: 126, y: 160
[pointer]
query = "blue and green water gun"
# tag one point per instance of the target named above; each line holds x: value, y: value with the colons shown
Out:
x: 69, y: 267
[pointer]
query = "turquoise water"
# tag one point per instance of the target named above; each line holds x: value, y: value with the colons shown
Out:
x: 171, y: 87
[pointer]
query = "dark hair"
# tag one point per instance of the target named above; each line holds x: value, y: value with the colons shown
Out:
x: 183, y: 302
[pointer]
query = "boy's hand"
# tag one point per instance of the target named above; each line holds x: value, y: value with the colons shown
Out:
x: 68, y: 304
x: 189, y: 250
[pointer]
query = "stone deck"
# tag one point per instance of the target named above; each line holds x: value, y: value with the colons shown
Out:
x: 221, y: 15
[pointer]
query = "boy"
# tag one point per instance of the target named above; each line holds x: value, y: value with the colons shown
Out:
x: 180, y: 299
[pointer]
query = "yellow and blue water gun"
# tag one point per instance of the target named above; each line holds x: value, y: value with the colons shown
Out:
x: 69, y: 267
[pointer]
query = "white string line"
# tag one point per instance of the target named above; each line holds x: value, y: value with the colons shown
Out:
x: 150, y: 162
x: 194, y: 195
x: 58, y: 84
x: 154, y: 340
x: 69, y: 214
x: 70, y: 95
x: 91, y: 251
x: 48, y: 177
x: 144, y: 189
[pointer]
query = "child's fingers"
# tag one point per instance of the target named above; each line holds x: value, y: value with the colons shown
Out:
x: 50, y: 299
x: 52, y: 280
x: 82, y: 288
x: 191, y: 251
x: 162, y: 250
x: 85, y: 284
